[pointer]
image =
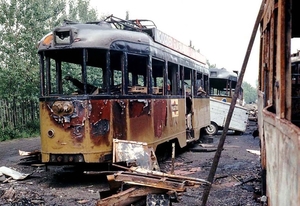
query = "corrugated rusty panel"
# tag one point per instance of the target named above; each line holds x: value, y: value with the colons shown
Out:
x: 282, y: 142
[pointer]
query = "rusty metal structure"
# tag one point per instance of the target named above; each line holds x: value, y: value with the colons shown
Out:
x: 133, y: 82
x: 278, y: 102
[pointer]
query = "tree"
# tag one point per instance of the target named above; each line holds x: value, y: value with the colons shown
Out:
x: 250, y: 93
x: 22, y: 24
x: 127, y: 15
x: 211, y: 65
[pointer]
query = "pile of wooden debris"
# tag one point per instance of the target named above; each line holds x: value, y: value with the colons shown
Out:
x: 143, y: 183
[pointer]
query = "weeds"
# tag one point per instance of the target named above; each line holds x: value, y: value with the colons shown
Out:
x: 30, y: 129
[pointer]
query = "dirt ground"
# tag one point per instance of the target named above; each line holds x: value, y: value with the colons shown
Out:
x: 237, y: 179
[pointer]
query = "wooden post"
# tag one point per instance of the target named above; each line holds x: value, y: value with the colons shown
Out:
x: 232, y: 105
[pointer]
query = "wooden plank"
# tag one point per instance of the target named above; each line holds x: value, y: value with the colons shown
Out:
x: 129, y: 196
x: 151, y: 181
x: 280, y: 60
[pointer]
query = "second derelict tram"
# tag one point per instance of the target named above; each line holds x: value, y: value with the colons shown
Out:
x: 222, y: 86
x: 133, y: 82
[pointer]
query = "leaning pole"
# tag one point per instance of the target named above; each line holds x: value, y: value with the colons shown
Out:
x: 217, y: 156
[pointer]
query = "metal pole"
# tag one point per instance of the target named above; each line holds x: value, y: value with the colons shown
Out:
x: 173, y: 158
x: 232, y: 105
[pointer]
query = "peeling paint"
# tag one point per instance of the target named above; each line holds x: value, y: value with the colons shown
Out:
x: 138, y: 108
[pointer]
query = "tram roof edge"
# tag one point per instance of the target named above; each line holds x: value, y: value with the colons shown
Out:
x: 168, y: 41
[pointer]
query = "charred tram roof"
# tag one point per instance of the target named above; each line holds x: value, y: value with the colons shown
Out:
x: 104, y: 37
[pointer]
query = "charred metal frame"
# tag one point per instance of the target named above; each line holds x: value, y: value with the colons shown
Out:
x: 222, y: 77
x: 279, y: 136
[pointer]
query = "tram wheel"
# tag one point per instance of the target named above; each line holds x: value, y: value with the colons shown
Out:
x: 211, y: 129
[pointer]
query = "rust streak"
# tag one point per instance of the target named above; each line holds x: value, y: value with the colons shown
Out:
x: 160, y: 116
x: 119, y: 119
x: 100, y: 121
x: 138, y: 108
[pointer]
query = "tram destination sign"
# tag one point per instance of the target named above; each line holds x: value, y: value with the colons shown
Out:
x: 168, y: 41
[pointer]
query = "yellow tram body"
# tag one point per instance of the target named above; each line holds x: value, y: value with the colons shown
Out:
x: 151, y: 121
x: 133, y: 83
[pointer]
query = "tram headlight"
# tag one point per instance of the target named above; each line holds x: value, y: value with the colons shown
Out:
x: 50, y: 133
x: 61, y: 108
x: 47, y: 40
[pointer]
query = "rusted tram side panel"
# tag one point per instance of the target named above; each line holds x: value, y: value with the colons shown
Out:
x: 280, y: 139
x: 83, y: 130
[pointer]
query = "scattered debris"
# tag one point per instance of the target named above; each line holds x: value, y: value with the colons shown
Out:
x: 13, y: 173
x: 236, y: 178
x: 251, y: 179
x: 206, y: 145
x: 37, y: 202
x: 83, y: 201
x: 187, y: 171
x: 221, y: 177
x: 252, y: 111
x: 135, y: 154
x: 199, y: 149
x: 128, y: 196
x: 162, y: 174
x: 24, y: 153
x: 257, y: 152
x: 9, y: 194
x: 142, y: 180
x: 33, y: 157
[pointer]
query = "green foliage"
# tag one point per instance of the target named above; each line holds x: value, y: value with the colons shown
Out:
x: 30, y: 129
x: 250, y: 93
x: 8, y: 133
x: 211, y: 65
x: 22, y: 24
x: 127, y: 15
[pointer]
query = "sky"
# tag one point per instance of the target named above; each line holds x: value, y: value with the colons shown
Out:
x: 220, y: 29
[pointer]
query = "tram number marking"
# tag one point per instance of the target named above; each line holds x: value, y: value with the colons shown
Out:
x: 174, y: 107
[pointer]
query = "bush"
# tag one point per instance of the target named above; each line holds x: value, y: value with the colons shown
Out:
x: 30, y: 129
x: 8, y: 133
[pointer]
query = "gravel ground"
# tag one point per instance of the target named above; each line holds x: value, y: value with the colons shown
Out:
x: 237, y: 179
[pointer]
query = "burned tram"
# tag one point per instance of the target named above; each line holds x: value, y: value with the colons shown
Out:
x: 117, y: 79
